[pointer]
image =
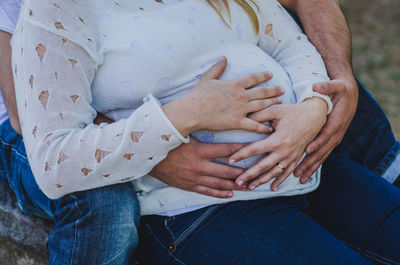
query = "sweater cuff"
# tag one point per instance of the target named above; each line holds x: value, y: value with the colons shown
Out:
x: 157, y: 106
x: 327, y: 99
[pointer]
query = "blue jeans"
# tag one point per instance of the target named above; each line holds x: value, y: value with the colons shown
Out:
x: 369, y: 140
x: 91, y: 227
x: 352, y: 218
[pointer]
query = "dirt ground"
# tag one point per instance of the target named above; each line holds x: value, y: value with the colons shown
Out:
x: 375, y: 28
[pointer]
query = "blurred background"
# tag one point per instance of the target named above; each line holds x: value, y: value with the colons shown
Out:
x: 375, y: 28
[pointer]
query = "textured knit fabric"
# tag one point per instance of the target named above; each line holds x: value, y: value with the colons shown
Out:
x: 73, y: 58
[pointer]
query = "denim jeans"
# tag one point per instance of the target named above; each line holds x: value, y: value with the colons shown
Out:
x: 352, y: 218
x: 91, y: 227
x: 369, y: 139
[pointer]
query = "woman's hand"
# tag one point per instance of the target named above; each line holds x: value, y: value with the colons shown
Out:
x: 295, y: 126
x: 223, y: 105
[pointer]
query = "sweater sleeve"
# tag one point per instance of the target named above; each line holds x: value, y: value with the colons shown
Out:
x: 66, y: 151
x: 281, y: 37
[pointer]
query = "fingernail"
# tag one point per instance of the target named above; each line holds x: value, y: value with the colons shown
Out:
x: 231, y: 161
x: 279, y: 100
x: 240, y: 183
x: 271, y: 129
x: 230, y: 194
x: 311, y: 150
x: 221, y: 59
x: 299, y: 173
x: 244, y: 187
x: 273, y: 188
x: 282, y: 89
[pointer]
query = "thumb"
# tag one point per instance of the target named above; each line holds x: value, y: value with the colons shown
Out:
x: 216, y: 70
x: 331, y: 87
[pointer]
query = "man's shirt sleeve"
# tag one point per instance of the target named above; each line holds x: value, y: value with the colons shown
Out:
x: 9, y: 11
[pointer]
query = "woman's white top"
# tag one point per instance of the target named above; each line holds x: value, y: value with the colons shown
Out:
x: 73, y: 58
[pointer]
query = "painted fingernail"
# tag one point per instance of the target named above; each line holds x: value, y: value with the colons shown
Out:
x: 240, y: 183
x: 252, y: 187
x: 231, y: 161
x: 271, y: 129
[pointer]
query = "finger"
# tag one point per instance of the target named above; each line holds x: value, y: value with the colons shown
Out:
x: 264, y: 115
x: 253, y: 79
x: 221, y: 171
x: 213, y: 150
x: 213, y: 192
x: 263, y: 165
x: 285, y: 174
x: 265, y: 177
x: 313, y: 158
x: 217, y: 183
x: 253, y: 126
x: 258, y: 105
x: 216, y: 70
x: 262, y: 92
x: 311, y: 170
x: 256, y: 148
x: 331, y: 87
x: 328, y: 134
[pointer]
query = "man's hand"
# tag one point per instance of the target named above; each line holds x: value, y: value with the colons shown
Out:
x: 190, y: 167
x: 344, y: 95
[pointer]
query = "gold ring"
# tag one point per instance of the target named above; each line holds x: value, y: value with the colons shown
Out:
x: 328, y: 153
x: 281, y: 167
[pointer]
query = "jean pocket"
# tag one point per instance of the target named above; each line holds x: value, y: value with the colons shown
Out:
x: 182, y: 236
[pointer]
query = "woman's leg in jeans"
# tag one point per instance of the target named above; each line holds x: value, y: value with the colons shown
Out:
x: 359, y: 208
x: 270, y: 231
x: 92, y: 227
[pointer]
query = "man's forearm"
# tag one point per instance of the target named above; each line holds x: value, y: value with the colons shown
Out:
x: 326, y: 27
x: 6, y: 80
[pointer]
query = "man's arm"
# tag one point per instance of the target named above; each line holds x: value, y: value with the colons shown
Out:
x: 6, y: 80
x: 326, y: 27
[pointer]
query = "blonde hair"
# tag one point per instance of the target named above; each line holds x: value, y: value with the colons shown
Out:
x: 218, y: 6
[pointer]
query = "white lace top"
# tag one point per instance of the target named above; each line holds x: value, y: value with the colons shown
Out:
x: 73, y: 58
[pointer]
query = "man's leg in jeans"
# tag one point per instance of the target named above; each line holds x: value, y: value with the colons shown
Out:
x: 369, y: 139
x: 92, y: 227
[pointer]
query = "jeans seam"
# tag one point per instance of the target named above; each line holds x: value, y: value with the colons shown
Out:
x: 13, y: 149
x: 163, y: 246
x: 76, y: 228
x: 193, y: 226
x: 385, y: 163
x: 169, y: 229
x: 370, y: 254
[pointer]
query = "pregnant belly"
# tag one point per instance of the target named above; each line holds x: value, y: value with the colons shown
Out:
x: 280, y: 78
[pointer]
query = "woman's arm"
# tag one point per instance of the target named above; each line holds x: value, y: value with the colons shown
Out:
x: 295, y: 126
x: 282, y: 38
x: 68, y: 153
x: 66, y: 150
